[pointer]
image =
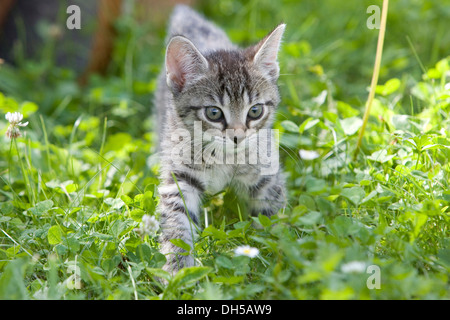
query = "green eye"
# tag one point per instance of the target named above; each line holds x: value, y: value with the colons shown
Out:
x: 213, y: 113
x: 256, y: 111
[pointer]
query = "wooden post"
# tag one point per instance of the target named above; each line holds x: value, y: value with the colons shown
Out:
x: 103, y: 41
x: 5, y: 9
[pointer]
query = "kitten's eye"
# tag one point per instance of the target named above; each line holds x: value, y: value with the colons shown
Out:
x: 213, y: 113
x: 256, y: 111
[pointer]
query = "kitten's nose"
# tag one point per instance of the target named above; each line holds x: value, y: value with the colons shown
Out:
x: 237, y: 134
x: 237, y: 140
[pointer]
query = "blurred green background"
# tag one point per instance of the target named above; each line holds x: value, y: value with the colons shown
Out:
x: 326, y: 43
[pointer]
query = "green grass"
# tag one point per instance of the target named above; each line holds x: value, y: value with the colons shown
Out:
x: 75, y: 187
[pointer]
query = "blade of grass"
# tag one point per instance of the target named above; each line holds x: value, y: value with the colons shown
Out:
x: 105, y: 123
x: 133, y: 282
x: 16, y: 243
x: 47, y: 149
x: 376, y: 72
x: 413, y: 49
x: 30, y: 190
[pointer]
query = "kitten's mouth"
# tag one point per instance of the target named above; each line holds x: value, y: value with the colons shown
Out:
x: 219, y: 147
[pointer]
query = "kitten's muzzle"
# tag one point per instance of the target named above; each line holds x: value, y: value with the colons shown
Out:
x: 236, y: 134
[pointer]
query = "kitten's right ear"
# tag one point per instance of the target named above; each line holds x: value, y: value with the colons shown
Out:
x: 184, y: 63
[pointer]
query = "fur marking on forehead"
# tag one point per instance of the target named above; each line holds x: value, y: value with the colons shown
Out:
x: 232, y: 72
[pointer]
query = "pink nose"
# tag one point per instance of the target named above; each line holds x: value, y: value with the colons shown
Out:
x: 238, y: 137
x: 236, y: 133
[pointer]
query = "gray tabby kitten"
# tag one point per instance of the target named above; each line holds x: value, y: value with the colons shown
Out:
x: 230, y: 95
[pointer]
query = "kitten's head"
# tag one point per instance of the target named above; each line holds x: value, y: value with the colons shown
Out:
x: 232, y: 92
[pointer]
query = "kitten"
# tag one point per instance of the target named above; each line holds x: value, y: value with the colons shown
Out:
x: 216, y: 104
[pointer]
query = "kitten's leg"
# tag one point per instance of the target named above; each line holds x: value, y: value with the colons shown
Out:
x: 267, y: 195
x: 179, y: 219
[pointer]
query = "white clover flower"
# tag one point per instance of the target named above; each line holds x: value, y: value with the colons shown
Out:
x: 308, y: 154
x: 14, y: 119
x: 149, y: 225
x: 246, y: 251
x: 354, y: 267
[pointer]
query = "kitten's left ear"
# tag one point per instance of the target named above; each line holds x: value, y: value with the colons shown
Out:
x: 266, y: 54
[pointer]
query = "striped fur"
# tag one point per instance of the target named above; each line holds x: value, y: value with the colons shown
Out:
x: 204, y: 69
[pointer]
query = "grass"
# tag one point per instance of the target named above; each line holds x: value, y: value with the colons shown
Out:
x: 74, y: 189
